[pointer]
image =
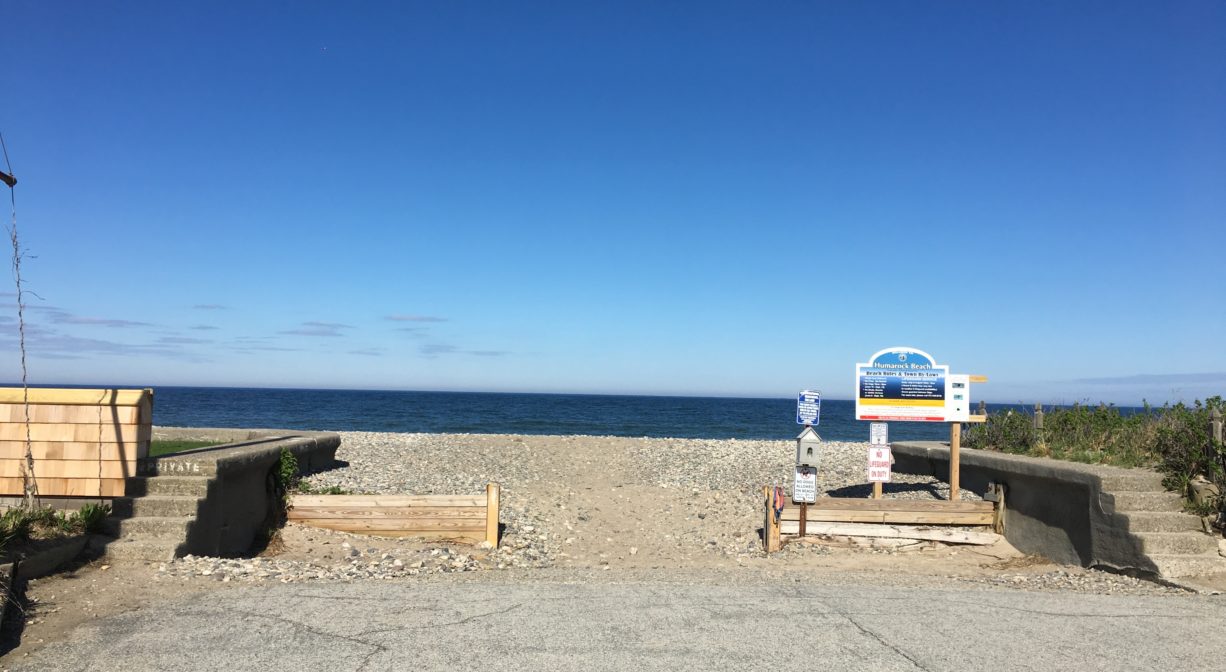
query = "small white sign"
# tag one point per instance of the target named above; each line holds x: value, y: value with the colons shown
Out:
x: 879, y: 460
x: 879, y: 434
x: 804, y: 488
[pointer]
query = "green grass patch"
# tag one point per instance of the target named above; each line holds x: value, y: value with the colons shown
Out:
x: 157, y: 448
x: 20, y: 525
x: 304, y: 488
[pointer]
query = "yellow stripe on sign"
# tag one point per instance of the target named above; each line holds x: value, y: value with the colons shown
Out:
x: 919, y: 403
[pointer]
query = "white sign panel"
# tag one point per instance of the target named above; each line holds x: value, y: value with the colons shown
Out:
x: 879, y: 459
x: 804, y: 488
x: 809, y: 408
x: 879, y: 434
x: 957, y: 398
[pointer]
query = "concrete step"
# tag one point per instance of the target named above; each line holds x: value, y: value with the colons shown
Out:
x: 141, y: 550
x: 1144, y: 501
x: 1162, y: 521
x: 197, y: 486
x: 1176, y: 543
x: 1175, y: 566
x: 155, y: 505
x: 174, y: 527
x: 1138, y: 481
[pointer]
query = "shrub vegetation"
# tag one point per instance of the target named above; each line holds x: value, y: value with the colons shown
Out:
x: 1177, y: 440
x: 20, y: 524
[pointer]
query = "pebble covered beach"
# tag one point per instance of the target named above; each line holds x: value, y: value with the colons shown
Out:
x: 596, y: 503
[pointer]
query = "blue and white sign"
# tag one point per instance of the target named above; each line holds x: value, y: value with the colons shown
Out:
x: 901, y: 384
x: 809, y: 408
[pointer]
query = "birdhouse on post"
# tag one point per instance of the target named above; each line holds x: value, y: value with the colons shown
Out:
x: 806, y: 447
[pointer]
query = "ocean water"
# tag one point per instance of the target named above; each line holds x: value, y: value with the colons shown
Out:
x: 478, y: 412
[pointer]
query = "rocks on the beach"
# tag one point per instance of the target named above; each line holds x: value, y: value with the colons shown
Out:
x: 710, y: 511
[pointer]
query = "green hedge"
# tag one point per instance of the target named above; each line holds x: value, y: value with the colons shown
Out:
x: 1177, y: 440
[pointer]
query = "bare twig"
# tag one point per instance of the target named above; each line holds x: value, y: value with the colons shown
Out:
x: 27, y: 471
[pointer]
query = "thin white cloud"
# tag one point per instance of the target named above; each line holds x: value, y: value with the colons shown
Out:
x: 436, y: 349
x: 44, y: 342
x: 210, y: 306
x: 183, y: 340
x: 319, y: 329
x: 65, y: 318
x: 415, y: 318
x: 1157, y: 379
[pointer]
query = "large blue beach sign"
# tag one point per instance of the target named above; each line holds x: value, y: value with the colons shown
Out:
x: 809, y: 408
x: 901, y: 384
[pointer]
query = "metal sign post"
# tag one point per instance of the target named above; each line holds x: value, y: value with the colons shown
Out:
x: 804, y: 487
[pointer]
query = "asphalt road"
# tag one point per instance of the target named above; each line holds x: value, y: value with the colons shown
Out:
x: 647, y: 625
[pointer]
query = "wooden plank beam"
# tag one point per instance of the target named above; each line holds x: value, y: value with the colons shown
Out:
x: 466, y: 536
x: 70, y: 450
x: 70, y: 414
x: 107, y: 433
x: 445, y: 517
x: 792, y: 511
x: 386, y: 500
x: 901, y: 517
x: 83, y: 397
x: 407, y: 513
x: 71, y: 468
x: 972, y: 537
x: 418, y: 525
x: 65, y: 487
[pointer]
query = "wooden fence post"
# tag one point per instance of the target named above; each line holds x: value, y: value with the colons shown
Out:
x: 770, y: 527
x: 491, y: 513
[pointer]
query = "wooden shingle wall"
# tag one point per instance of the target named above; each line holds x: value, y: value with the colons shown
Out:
x: 84, y: 442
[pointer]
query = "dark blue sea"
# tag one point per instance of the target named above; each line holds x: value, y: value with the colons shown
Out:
x: 478, y: 412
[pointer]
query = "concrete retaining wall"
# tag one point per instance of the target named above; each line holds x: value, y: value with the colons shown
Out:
x: 1053, y: 508
x: 240, y: 500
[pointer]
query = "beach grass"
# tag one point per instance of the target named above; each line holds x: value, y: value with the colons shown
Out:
x: 157, y: 448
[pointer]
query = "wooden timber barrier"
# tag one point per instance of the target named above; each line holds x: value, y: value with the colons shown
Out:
x: 789, y: 521
x: 469, y: 518
x: 85, y: 443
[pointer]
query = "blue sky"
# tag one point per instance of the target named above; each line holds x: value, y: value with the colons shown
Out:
x: 663, y: 198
